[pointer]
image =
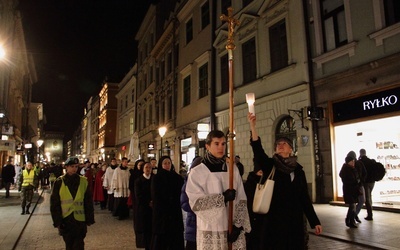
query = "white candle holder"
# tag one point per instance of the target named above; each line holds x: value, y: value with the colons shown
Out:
x: 250, y: 99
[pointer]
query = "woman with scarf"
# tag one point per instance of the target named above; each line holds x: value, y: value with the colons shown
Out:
x: 208, y: 190
x: 283, y: 226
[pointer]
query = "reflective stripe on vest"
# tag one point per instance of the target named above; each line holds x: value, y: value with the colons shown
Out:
x: 28, y: 177
x: 70, y: 205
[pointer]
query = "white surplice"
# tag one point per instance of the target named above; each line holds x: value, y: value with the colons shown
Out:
x: 204, y: 189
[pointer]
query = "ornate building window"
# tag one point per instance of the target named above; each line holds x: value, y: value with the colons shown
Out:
x: 287, y: 128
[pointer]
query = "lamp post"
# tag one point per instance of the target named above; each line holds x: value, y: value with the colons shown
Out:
x: 39, y: 144
x: 162, y: 130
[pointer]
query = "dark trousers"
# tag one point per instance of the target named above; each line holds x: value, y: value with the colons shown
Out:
x: 121, y: 208
x: 351, y: 212
x: 368, y: 187
x: 110, y: 202
x: 74, y: 235
x: 26, y: 196
x: 7, y: 187
x: 168, y: 241
x: 103, y: 204
x: 190, y: 245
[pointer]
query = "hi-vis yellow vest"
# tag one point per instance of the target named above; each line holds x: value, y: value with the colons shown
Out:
x: 70, y: 205
x: 28, y: 177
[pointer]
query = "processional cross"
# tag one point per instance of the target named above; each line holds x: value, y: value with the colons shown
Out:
x: 230, y: 46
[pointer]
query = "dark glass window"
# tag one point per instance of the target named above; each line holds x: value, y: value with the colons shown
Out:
x: 203, y: 80
x: 246, y: 2
x: 189, y: 31
x: 169, y: 66
x: 249, y: 60
x: 170, y: 107
x: 205, y: 15
x: 333, y: 24
x: 392, y: 12
x: 224, y: 74
x: 225, y: 4
x: 278, y: 46
x: 162, y: 71
x: 186, y: 91
x: 151, y: 114
x: 176, y: 59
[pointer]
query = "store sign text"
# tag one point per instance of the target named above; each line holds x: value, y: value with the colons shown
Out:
x: 379, y: 103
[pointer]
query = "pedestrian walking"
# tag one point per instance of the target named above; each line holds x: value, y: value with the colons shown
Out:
x: 28, y: 183
x: 107, y: 183
x: 8, y: 174
x: 120, y: 186
x: 208, y: 190
x: 351, y: 187
x: 191, y: 221
x: 369, y: 181
x: 362, y: 173
x: 253, y: 238
x: 71, y: 206
x: 100, y: 193
x: 143, y: 210
x: 283, y: 227
x: 167, y: 213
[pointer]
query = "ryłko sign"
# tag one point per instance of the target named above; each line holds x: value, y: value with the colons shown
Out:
x: 378, y: 103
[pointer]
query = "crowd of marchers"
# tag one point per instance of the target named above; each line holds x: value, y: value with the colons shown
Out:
x: 158, y: 195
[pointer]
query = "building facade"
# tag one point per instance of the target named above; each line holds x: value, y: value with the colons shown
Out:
x: 17, y: 75
x: 126, y: 100
x: 356, y: 56
x: 107, y: 121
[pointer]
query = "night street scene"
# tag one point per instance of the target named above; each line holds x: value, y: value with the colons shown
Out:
x: 161, y: 124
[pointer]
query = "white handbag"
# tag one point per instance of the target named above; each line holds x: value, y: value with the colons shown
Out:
x: 263, y: 194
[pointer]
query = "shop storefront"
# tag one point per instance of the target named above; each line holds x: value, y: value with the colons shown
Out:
x: 370, y: 122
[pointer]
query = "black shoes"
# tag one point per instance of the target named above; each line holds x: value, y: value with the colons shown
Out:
x: 350, y: 223
x: 368, y: 218
x: 357, y: 219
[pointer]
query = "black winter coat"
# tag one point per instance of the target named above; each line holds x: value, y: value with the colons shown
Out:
x: 351, y: 183
x: 369, y: 166
x: 165, y: 193
x: 8, y: 173
x: 283, y: 227
x: 143, y: 211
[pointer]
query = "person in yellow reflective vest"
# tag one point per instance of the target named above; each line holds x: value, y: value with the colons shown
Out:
x: 28, y: 182
x: 71, y: 206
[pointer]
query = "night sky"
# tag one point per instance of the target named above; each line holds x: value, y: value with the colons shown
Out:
x: 76, y: 45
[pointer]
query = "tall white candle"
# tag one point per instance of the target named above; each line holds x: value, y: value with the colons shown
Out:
x: 250, y: 99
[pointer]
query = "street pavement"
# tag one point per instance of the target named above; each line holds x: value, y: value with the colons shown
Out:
x: 35, y: 231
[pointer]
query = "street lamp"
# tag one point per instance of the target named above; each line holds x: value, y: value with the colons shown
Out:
x: 162, y: 130
x: 39, y: 144
x: 48, y: 156
x: 2, y: 52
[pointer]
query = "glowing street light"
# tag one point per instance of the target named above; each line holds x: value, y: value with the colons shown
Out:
x: 2, y: 52
x: 39, y: 144
x: 162, y: 130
